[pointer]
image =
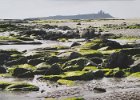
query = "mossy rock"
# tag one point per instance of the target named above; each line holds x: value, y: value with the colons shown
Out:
x: 96, y: 60
x: 74, y: 98
x: 134, y: 75
x: 3, y: 85
x: 66, y: 82
x: 98, y: 74
x: 62, y: 39
x: 53, y: 59
x: 2, y: 70
x: 119, y: 74
x: 77, y: 64
x: 22, y: 71
x: 132, y: 51
x: 35, y: 61
x: 25, y: 66
x: 116, y: 72
x: 55, y: 69
x: 135, y: 68
x: 90, y: 68
x: 73, y: 75
x: 22, y: 87
x: 42, y: 68
x: 47, y: 69
x: 51, y: 77
x: 69, y: 55
x: 111, y: 72
x: 90, y: 53
x: 78, y: 75
x: 19, y: 61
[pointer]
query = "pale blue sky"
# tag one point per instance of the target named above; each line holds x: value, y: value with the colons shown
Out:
x: 43, y: 8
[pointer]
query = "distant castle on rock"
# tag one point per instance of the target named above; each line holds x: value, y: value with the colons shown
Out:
x: 100, y: 15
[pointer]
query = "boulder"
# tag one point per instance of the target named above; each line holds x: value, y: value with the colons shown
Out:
x: 18, y: 61
x: 112, y: 44
x: 119, y: 59
x: 99, y: 90
x: 96, y: 60
x: 55, y: 69
x: 119, y: 74
x: 109, y: 44
x: 77, y: 64
x: 22, y: 73
x: 22, y: 87
x: 53, y: 59
x: 131, y: 51
x: 2, y: 70
x: 88, y: 33
x: 34, y: 61
x: 98, y: 74
x: 69, y: 55
x: 42, y: 68
x: 4, y: 57
x: 74, y: 55
x: 78, y: 75
x: 135, y: 67
x: 75, y: 44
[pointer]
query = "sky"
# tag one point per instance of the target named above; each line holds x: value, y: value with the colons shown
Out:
x: 19, y: 9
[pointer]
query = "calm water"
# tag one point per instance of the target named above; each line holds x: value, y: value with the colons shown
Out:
x: 43, y: 8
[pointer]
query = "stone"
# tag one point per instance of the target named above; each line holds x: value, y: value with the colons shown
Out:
x: 119, y: 59
x: 2, y: 70
x: 22, y: 73
x: 75, y: 44
x: 119, y: 74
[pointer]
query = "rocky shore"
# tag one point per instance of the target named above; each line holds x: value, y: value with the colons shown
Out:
x: 70, y: 63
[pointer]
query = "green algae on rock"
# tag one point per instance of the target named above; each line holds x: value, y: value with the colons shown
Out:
x: 66, y: 82
x: 22, y: 87
x: 17, y: 86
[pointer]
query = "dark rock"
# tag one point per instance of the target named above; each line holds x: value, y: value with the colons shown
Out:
x: 34, y: 61
x: 77, y: 75
x: 64, y: 28
x: 119, y: 74
x: 119, y: 59
x: 69, y: 55
x: 22, y: 87
x: 132, y: 51
x: 18, y: 61
x: 78, y: 23
x: 106, y: 43
x: 99, y: 89
x: 4, y: 57
x: 42, y: 68
x: 77, y: 64
x: 135, y: 67
x: 96, y: 60
x: 75, y: 44
x: 98, y: 74
x: 53, y: 59
x: 112, y: 44
x: 2, y: 70
x: 22, y: 73
x: 88, y: 33
x: 74, y: 55
x: 55, y: 69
